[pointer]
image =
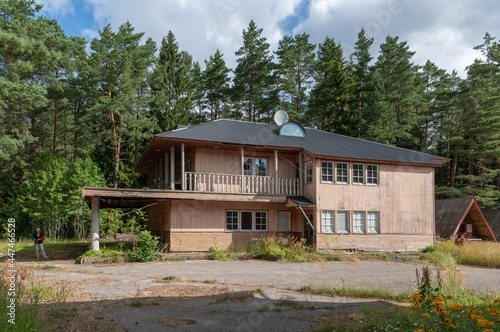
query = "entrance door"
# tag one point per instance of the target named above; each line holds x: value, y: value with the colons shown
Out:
x: 308, y: 231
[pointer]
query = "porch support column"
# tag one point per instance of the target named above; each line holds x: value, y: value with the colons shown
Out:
x: 156, y: 176
x: 94, y: 226
x: 149, y: 178
x: 183, y: 179
x: 276, y: 184
x: 301, y: 175
x: 172, y: 167
x: 242, y: 185
x: 166, y: 171
x: 160, y: 173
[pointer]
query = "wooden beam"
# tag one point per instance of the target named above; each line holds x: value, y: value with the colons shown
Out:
x: 301, y: 174
x: 276, y: 185
x: 156, y: 177
x: 160, y: 173
x: 183, y: 161
x: 112, y: 193
x: 94, y: 226
x: 166, y: 171
x: 172, y: 167
x: 242, y: 185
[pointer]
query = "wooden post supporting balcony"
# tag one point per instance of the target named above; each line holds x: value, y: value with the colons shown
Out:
x: 301, y: 175
x: 94, y: 224
x: 183, y: 178
x: 172, y: 167
x: 160, y: 173
x: 276, y: 172
x: 242, y: 184
x: 156, y: 176
x: 166, y: 170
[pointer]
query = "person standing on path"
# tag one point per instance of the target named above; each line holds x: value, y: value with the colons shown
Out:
x: 38, y: 237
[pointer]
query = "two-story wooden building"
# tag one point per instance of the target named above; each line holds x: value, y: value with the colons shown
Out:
x: 230, y: 182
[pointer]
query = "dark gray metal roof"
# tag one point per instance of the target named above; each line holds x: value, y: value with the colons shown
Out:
x: 492, y: 215
x: 301, y: 201
x: 449, y: 213
x: 317, y: 142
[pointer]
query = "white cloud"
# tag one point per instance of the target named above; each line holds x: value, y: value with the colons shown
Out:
x: 201, y: 27
x: 52, y: 7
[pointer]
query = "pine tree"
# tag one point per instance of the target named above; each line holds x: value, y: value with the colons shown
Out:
x: 295, y: 72
x: 172, y: 83
x: 216, y: 84
x: 251, y: 76
x: 362, y: 71
x: 332, y: 98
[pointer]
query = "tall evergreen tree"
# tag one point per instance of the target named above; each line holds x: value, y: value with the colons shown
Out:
x: 216, y: 84
x: 172, y: 83
x: 251, y: 76
x: 295, y: 72
x: 332, y: 107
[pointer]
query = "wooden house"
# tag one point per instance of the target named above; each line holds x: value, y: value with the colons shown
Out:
x: 227, y: 182
x: 462, y: 218
x: 492, y: 215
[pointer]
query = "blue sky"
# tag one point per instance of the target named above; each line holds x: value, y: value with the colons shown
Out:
x: 443, y: 31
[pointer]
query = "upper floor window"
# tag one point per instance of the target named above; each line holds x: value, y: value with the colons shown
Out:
x: 372, y: 174
x: 292, y: 129
x: 326, y: 171
x: 308, y: 169
x: 343, y: 173
x: 255, y: 166
x: 358, y: 174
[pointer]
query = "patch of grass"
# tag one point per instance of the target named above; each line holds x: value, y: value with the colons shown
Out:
x: 238, y: 296
x: 382, y: 255
x: 355, y: 292
x: 43, y: 267
x: 210, y: 281
x: 219, y: 255
x: 136, y: 303
x: 63, y: 312
x: 274, y: 248
x: 480, y: 253
x: 169, y: 278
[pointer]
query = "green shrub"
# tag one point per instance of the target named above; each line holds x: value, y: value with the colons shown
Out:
x: 218, y: 255
x: 273, y: 248
x: 146, y: 248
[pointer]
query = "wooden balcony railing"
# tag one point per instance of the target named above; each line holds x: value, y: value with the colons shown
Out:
x: 231, y: 183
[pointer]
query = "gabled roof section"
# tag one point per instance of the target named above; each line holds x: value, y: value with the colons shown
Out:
x: 316, y: 142
x: 493, y: 216
x: 451, y: 212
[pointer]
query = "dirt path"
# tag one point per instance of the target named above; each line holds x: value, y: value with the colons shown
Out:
x: 226, y: 296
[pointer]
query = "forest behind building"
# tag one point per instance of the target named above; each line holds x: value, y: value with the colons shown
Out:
x: 77, y: 113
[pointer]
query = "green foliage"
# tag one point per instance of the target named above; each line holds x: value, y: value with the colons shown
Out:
x: 218, y: 255
x: 146, y: 248
x: 272, y: 248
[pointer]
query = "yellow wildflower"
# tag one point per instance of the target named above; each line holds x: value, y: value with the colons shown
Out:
x: 496, y: 301
x: 425, y: 315
x: 411, y: 312
x: 447, y: 321
x: 421, y: 325
x: 487, y: 330
x: 456, y: 307
x: 471, y: 311
x: 448, y: 297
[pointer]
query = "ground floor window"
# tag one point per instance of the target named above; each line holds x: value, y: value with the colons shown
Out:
x: 327, y: 221
x: 342, y: 221
x: 232, y: 220
x: 284, y: 221
x: 358, y: 222
x: 246, y: 221
x: 373, y: 222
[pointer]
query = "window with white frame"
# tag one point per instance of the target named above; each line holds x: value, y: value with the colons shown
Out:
x: 358, y: 222
x: 327, y: 171
x: 261, y: 221
x: 246, y: 220
x: 187, y: 166
x: 255, y: 166
x: 343, y: 173
x: 372, y: 174
x: 373, y: 225
x: 327, y: 221
x: 284, y: 221
x: 358, y: 174
x: 232, y: 220
x: 342, y: 221
x: 308, y: 169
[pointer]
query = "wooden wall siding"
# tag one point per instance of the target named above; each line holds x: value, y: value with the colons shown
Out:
x: 203, y: 241
x: 154, y: 214
x: 209, y: 216
x: 380, y: 242
x: 404, y: 198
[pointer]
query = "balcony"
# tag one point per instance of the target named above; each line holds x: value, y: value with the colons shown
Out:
x: 232, y: 183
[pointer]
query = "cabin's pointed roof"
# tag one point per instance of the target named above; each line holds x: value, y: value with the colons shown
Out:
x: 317, y: 142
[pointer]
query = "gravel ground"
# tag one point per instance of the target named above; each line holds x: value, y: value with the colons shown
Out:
x: 227, y: 296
